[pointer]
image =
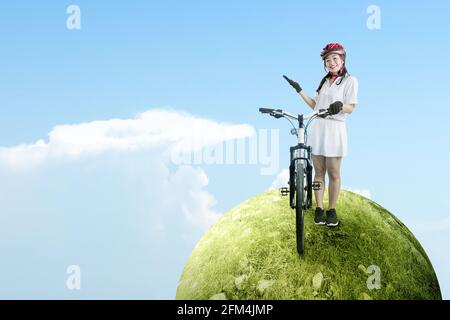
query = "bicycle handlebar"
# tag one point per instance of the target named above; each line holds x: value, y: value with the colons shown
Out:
x: 265, y: 110
x: 278, y: 113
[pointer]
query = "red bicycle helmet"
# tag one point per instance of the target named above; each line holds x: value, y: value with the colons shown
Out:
x: 333, y: 48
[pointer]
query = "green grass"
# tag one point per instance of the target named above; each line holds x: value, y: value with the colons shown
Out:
x: 250, y: 253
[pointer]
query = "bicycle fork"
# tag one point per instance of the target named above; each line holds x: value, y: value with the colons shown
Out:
x: 300, y: 153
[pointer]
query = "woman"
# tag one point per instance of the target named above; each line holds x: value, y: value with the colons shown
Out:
x: 337, y: 92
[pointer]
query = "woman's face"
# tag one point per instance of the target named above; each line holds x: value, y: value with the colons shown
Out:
x: 334, y: 63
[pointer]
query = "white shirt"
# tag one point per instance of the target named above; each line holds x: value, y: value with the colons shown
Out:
x: 346, y: 92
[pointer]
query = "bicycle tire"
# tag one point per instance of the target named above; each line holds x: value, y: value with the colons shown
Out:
x: 299, y: 206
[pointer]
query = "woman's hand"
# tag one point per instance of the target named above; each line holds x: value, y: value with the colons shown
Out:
x: 294, y: 84
x: 310, y: 102
x: 335, y: 107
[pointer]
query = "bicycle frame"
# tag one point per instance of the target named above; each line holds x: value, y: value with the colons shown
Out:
x: 300, y: 170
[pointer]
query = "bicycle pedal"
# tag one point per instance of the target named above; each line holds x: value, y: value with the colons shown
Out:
x: 284, y: 191
x: 316, y: 185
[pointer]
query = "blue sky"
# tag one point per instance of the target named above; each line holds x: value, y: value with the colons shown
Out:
x: 197, y: 61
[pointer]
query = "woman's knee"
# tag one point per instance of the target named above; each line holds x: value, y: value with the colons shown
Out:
x: 319, y: 172
x: 334, y: 175
x: 319, y: 176
x: 334, y: 168
x: 320, y: 167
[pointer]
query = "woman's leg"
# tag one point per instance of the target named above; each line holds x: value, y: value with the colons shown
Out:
x: 319, y: 176
x: 333, y: 167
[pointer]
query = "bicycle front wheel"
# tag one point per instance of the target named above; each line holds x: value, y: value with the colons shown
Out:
x: 299, y: 205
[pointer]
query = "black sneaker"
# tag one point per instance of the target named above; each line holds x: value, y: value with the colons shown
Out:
x: 319, y: 217
x: 332, y: 219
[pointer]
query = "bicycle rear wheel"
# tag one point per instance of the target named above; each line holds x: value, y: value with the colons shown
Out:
x: 300, y: 200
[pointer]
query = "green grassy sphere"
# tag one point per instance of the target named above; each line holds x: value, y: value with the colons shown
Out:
x: 250, y: 253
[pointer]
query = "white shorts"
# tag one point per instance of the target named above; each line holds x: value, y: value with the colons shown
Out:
x: 328, y: 138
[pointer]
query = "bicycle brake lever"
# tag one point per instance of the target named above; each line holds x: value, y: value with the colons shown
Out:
x: 278, y: 113
x: 323, y: 113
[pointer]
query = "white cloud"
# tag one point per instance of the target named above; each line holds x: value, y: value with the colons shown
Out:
x: 107, y: 196
x: 361, y: 192
x: 195, y: 203
x: 281, y: 180
x: 166, y: 131
x: 175, y: 131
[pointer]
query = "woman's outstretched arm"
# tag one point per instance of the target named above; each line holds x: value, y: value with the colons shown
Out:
x: 308, y: 100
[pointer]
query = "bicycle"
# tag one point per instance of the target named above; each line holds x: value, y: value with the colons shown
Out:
x: 300, y: 169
